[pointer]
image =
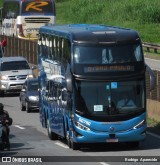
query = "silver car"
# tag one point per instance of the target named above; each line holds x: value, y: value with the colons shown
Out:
x: 13, y: 73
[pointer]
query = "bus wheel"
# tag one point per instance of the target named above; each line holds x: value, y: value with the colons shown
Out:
x: 75, y: 146
x: 133, y: 144
x: 51, y: 134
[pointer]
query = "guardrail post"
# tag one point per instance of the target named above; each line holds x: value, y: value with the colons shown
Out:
x: 155, y: 50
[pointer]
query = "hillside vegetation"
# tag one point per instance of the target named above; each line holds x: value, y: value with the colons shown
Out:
x: 141, y: 15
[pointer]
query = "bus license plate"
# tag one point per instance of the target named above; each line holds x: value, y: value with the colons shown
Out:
x: 112, y: 140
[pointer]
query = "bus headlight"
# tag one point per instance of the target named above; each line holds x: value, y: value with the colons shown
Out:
x: 142, y: 123
x: 81, y: 126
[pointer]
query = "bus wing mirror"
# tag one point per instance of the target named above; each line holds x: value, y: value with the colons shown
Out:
x: 152, y: 77
x: 68, y: 79
x: 69, y: 82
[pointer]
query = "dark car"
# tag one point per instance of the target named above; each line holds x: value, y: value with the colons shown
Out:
x: 29, y: 98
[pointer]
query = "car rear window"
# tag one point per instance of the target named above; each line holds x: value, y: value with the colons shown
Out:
x: 14, y: 65
x: 33, y: 86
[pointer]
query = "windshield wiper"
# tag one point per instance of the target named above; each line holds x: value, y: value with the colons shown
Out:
x: 79, y: 112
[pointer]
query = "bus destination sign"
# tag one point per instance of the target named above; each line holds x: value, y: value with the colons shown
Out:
x: 105, y: 68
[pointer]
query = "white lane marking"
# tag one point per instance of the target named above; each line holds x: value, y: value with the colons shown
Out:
x: 18, y: 126
x: 103, y: 163
x: 62, y: 145
x: 154, y: 135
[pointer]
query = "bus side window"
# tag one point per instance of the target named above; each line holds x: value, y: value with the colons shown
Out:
x: 43, y: 46
x: 59, y: 91
x: 47, y: 88
x: 54, y: 49
x: 64, y: 94
x: 54, y: 91
x: 48, y: 47
x: 66, y: 52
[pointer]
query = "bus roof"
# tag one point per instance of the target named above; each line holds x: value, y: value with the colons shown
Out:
x: 90, y: 33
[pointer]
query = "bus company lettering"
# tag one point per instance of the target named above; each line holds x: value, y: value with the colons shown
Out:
x: 109, y: 68
x: 29, y: 30
x: 84, y: 121
x: 36, y: 5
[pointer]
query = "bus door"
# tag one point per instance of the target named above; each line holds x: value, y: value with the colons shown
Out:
x: 55, y: 113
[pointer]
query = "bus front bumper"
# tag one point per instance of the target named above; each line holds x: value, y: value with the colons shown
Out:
x: 83, y: 136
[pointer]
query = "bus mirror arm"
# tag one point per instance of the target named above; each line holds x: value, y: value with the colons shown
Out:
x: 152, y: 77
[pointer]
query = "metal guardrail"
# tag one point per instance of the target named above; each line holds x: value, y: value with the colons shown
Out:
x: 148, y: 46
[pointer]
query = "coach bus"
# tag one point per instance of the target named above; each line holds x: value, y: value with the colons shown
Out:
x: 92, y: 84
x: 23, y: 18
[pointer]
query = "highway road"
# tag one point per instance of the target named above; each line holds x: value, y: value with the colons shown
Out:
x: 154, y: 64
x: 29, y: 139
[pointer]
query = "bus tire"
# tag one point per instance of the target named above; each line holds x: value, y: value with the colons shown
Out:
x: 64, y: 130
x: 51, y: 134
x: 133, y: 144
x: 75, y: 146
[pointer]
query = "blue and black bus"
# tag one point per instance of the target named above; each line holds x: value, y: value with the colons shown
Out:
x: 92, y: 84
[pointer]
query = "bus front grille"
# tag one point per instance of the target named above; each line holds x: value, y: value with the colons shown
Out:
x: 37, y: 20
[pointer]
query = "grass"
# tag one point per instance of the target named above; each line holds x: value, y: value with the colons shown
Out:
x: 143, y: 16
x: 153, y: 123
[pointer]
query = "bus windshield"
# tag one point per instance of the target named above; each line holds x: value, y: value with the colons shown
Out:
x: 107, y: 55
x: 11, y: 10
x: 31, y: 7
x: 109, y: 98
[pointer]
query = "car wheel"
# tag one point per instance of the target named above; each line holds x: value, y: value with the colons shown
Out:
x: 27, y: 108
x: 75, y: 146
x: 133, y: 144
x: 22, y: 107
x: 1, y: 93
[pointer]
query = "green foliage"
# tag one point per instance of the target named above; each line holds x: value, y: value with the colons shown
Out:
x: 153, y: 123
x: 141, y: 11
x: 141, y: 15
